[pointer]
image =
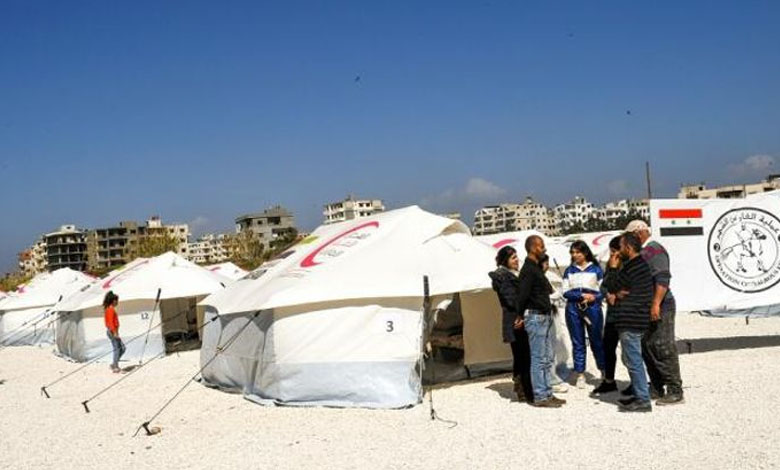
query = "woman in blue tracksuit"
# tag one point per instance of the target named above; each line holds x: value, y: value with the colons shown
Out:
x: 581, y: 283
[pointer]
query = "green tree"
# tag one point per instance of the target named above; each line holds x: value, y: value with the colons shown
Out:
x: 11, y: 281
x: 153, y: 245
x: 246, y: 250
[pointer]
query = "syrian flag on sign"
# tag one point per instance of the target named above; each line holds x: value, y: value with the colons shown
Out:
x: 681, y: 222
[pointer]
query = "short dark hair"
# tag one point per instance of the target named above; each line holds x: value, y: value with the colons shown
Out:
x: 544, y: 259
x: 632, y: 241
x: 503, y: 255
x: 529, y: 242
x: 614, y: 244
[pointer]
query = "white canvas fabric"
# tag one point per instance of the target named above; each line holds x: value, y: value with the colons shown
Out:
x: 228, y: 270
x: 23, y: 313
x: 81, y: 332
x: 340, y: 314
x: 724, y: 253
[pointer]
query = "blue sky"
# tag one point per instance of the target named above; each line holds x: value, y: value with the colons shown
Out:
x: 201, y: 111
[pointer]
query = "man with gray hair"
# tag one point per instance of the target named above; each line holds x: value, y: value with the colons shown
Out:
x: 659, y: 348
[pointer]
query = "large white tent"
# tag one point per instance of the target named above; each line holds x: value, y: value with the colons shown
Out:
x: 22, y: 313
x: 338, y: 319
x: 81, y: 331
x: 228, y: 270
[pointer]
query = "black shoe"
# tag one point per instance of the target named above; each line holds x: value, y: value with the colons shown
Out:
x: 628, y: 391
x: 627, y: 400
x: 637, y: 406
x: 557, y: 400
x: 656, y: 393
x: 604, y: 387
x: 670, y: 399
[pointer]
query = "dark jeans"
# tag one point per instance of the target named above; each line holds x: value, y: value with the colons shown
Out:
x: 521, y: 362
x: 611, y: 340
x: 659, y: 352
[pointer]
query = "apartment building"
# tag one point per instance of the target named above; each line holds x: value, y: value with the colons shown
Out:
x: 66, y: 248
x: 33, y: 260
x: 209, y: 249
x: 530, y: 215
x: 267, y: 225
x: 576, y: 211
x: 612, y: 211
x: 700, y: 191
x: 350, y: 209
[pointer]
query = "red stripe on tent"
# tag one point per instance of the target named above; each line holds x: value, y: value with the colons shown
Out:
x: 309, y: 260
x: 503, y: 243
x: 680, y: 213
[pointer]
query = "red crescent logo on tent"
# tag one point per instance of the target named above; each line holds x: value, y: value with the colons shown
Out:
x: 597, y: 240
x: 107, y: 284
x: 309, y: 260
x: 505, y: 242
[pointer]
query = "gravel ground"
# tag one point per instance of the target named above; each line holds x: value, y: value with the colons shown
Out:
x: 731, y: 420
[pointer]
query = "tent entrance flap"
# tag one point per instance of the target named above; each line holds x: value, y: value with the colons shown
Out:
x: 180, y: 324
x: 446, y: 361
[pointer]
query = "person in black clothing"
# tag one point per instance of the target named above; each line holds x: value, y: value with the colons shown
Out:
x: 633, y: 286
x: 507, y: 284
x: 611, y: 337
x: 534, y: 302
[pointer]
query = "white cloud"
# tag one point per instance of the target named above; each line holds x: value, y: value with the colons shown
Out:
x: 479, y: 188
x: 617, y: 187
x: 198, y: 223
x: 754, y: 164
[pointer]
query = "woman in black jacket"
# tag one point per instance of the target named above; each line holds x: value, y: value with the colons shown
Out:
x: 506, y: 284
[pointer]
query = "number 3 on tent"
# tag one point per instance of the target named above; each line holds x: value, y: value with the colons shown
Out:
x: 390, y: 327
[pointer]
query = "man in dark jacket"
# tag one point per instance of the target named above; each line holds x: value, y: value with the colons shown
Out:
x: 534, y: 301
x: 634, y: 283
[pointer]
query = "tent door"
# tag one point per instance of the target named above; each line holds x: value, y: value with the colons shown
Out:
x: 180, y: 324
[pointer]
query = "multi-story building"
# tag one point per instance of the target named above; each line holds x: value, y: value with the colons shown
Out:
x: 700, y: 191
x: 530, y: 215
x: 66, y: 248
x: 33, y: 260
x: 267, y: 225
x: 209, y: 249
x: 115, y: 246
x: 612, y: 211
x: 576, y: 211
x: 452, y: 215
x: 350, y: 209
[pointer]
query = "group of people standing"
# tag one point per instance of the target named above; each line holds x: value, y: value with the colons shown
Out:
x: 640, y: 316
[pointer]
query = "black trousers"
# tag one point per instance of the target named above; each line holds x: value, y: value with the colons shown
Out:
x: 659, y: 351
x: 521, y: 361
x: 611, y: 340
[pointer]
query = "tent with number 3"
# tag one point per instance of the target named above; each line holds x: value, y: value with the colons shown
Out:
x: 338, y: 320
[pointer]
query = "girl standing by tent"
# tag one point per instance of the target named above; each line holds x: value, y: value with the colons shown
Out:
x: 506, y: 284
x: 110, y: 301
x: 581, y: 289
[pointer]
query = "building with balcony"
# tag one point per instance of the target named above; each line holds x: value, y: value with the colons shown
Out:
x: 350, y: 209
x: 209, y: 249
x: 267, y: 225
x: 576, y: 211
x: 66, y: 248
x: 530, y: 215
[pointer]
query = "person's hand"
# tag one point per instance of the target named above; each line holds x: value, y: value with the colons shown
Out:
x: 655, y: 312
x: 518, y: 323
x: 622, y: 294
x: 588, y: 298
x: 611, y: 298
x: 614, y: 260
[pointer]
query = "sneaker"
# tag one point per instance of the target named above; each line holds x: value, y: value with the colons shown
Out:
x: 560, y: 388
x: 580, y: 381
x: 548, y: 403
x: 670, y: 399
x: 627, y: 401
x: 604, y: 387
x: 560, y: 401
x: 628, y: 391
x: 637, y: 406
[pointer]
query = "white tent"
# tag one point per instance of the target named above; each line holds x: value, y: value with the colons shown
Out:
x: 228, y: 270
x: 81, y: 332
x: 22, y: 313
x: 337, y: 320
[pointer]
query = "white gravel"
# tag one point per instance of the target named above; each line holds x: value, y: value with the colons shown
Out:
x: 731, y: 420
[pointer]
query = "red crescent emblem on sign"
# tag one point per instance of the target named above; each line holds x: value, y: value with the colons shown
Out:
x: 308, y: 262
x: 505, y: 242
x: 107, y: 284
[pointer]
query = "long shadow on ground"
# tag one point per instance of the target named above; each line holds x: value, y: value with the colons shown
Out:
x: 702, y: 345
